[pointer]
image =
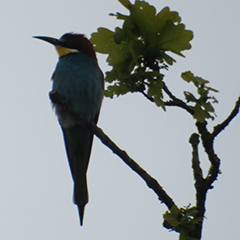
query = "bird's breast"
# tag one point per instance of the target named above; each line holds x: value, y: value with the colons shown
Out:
x: 78, y: 79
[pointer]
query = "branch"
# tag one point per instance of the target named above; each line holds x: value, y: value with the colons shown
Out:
x: 218, y: 128
x: 202, y: 185
x: 197, y: 171
x: 150, y: 181
x: 207, y: 141
x: 146, y: 96
x: 173, y: 102
x: 179, y: 103
x: 201, y: 189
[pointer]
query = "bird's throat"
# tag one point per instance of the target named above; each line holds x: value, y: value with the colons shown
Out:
x: 64, y: 51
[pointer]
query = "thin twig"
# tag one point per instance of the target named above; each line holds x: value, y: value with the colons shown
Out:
x: 146, y: 96
x: 176, y: 102
x: 218, y: 128
x: 179, y: 103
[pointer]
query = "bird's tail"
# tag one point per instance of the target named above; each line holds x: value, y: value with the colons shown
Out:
x: 80, y: 196
x: 78, y: 141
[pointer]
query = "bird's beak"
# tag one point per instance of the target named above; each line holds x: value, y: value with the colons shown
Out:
x: 51, y: 40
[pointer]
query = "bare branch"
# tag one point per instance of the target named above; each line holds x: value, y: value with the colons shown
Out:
x: 197, y: 171
x: 150, y: 181
x: 200, y: 186
x: 218, y: 128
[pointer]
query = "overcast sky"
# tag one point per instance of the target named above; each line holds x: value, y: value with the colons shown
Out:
x: 35, y: 181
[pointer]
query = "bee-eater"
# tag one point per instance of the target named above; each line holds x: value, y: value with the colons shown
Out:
x: 78, y: 80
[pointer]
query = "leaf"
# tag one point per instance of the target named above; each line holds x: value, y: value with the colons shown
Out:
x: 104, y: 43
x: 172, y: 219
x: 208, y: 107
x: 212, y: 89
x: 108, y: 93
x: 165, y: 14
x: 191, y: 211
x: 189, y: 97
x: 143, y: 16
x: 200, y: 115
x: 203, y: 108
x: 175, y: 210
x: 169, y: 60
x: 119, y: 35
x: 175, y: 38
x: 189, y: 77
x: 201, y: 80
x: 125, y: 3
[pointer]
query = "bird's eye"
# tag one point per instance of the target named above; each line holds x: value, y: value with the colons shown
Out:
x: 68, y: 44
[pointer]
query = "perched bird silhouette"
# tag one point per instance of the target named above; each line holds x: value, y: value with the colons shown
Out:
x: 78, y: 80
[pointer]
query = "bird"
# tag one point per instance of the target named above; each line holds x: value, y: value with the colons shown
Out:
x: 79, y: 80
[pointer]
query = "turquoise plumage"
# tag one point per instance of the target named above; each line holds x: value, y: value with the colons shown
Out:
x: 78, y: 80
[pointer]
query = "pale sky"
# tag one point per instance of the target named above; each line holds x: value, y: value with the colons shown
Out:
x: 35, y: 180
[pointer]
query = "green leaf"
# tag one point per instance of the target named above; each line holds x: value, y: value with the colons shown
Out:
x: 172, y: 219
x: 103, y: 41
x: 119, y: 35
x: 203, y: 108
x: 200, y: 115
x: 189, y: 97
x: 212, y: 89
x: 208, y: 107
x: 108, y: 93
x: 143, y: 16
x: 175, y: 38
x: 169, y: 60
x: 201, y: 80
x: 117, y: 90
x: 125, y: 3
x: 165, y: 14
x: 155, y: 91
x: 175, y: 210
x: 189, y: 77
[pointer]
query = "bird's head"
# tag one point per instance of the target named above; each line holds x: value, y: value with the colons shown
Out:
x: 69, y: 43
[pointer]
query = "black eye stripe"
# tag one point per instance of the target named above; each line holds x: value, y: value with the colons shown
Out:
x: 68, y: 44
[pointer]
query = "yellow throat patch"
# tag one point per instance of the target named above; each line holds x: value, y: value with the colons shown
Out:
x: 64, y: 51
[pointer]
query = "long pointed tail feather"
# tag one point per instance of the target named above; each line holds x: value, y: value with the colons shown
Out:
x: 78, y: 142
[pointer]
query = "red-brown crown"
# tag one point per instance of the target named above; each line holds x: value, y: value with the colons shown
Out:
x: 79, y: 42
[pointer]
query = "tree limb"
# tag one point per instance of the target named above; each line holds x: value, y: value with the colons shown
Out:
x: 150, y: 181
x: 173, y: 102
x: 218, y: 128
x: 197, y: 171
x: 200, y: 187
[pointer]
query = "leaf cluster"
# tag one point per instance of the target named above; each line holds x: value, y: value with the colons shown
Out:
x: 139, y: 50
x: 202, y: 105
x: 182, y: 220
